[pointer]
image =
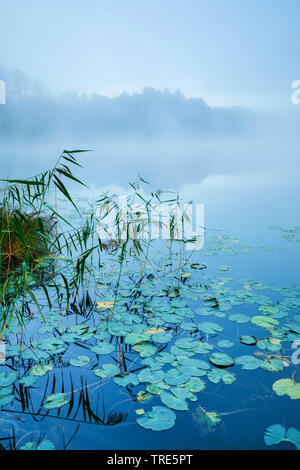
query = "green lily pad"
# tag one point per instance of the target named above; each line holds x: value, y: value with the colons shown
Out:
x: 171, y: 401
x: 283, y: 386
x: 194, y: 385
x: 176, y: 377
x: 7, y: 378
x: 157, y: 388
x: 276, y: 433
x: 210, y: 328
x: 56, y: 400
x: 265, y: 322
x: 225, y: 343
x: 28, y: 380
x: 215, y: 375
x: 80, y: 361
x: 44, y: 445
x: 221, y: 360
x: 208, y: 420
x: 239, y: 318
x: 146, y: 349
x: 107, y: 371
x: 158, y: 419
x: 150, y: 376
x: 249, y: 340
x: 6, y: 400
x: 40, y: 369
x: 248, y: 362
x: 103, y: 348
x: 125, y: 380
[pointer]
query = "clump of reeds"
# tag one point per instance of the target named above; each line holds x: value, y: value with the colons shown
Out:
x: 22, y: 239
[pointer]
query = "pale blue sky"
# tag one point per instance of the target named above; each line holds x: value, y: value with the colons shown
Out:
x: 226, y: 51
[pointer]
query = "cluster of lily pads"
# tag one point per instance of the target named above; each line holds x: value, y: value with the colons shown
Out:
x: 174, y: 323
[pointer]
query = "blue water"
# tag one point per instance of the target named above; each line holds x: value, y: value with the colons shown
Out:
x: 246, y: 407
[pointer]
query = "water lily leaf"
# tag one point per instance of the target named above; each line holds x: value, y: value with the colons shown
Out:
x: 44, y: 445
x: 248, y: 362
x: 194, y: 385
x: 239, y: 318
x: 162, y: 337
x: 176, y: 377
x: 140, y: 411
x: 107, y: 371
x: 265, y: 322
x: 56, y: 400
x: 210, y: 327
x: 187, y: 343
x: 191, y: 371
x: 293, y: 436
x: 146, y: 349
x: 105, y: 305
x: 268, y: 309
x: 206, y: 419
x: 224, y: 268
x: 7, y: 378
x: 148, y: 375
x: 4, y: 391
x: 103, y: 348
x: 171, y: 401
x: 117, y: 329
x: 152, y: 363
x: 282, y: 386
x: 195, y: 363
x: 28, y: 380
x: 221, y: 360
x: 158, y: 419
x: 188, y: 326
x: 6, y: 400
x: 276, y: 433
x: 135, y: 338
x: 249, y: 340
x: 143, y: 395
x: 126, y: 379
x: 80, y: 361
x: 40, y: 369
x: 157, y: 388
x: 266, y: 344
x: 272, y: 365
x: 215, y: 375
x: 204, y: 348
x: 225, y: 343
x: 294, y: 392
x: 183, y: 393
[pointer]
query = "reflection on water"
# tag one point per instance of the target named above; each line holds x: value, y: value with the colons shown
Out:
x: 92, y: 375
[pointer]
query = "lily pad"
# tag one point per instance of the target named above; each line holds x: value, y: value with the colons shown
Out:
x: 221, y: 360
x: 276, y: 433
x: 249, y: 340
x: 103, y: 348
x: 146, y: 349
x: 265, y: 322
x: 171, y: 401
x: 158, y: 419
x: 7, y: 378
x: 56, y: 400
x: 80, y: 361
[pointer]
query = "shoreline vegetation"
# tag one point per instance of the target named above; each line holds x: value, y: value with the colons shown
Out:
x: 38, y: 243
